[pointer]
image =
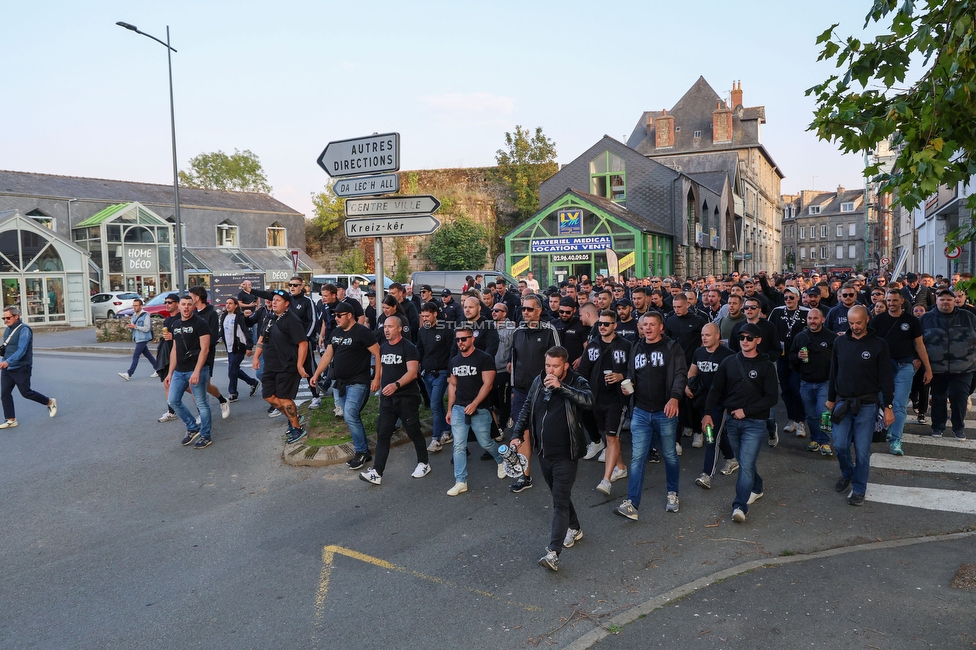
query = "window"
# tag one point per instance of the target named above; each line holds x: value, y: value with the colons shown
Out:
x: 813, y: 232
x: 608, y: 177
x: 847, y: 206
x: 823, y: 252
x: 276, y: 236
x: 823, y: 234
x: 42, y: 218
x: 813, y: 253
x: 814, y: 209
x: 803, y: 253
x: 852, y: 229
x: 852, y: 251
x: 697, y: 134
x: 840, y: 251
x: 840, y: 230
x: 227, y: 234
x: 803, y: 232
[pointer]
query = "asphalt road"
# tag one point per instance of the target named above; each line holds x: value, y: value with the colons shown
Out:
x: 115, y: 536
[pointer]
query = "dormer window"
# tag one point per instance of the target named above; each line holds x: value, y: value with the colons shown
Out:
x: 814, y: 209
x: 847, y: 206
x: 42, y: 218
x: 227, y: 234
x: 608, y: 177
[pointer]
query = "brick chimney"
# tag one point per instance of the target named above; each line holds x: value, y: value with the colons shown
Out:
x: 664, y: 130
x: 722, y: 124
x: 736, y: 93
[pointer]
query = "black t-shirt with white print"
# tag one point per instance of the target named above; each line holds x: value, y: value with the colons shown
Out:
x: 650, y: 376
x: 467, y: 372
x: 394, y: 360
x: 351, y: 355
x: 186, y: 337
x: 282, y: 335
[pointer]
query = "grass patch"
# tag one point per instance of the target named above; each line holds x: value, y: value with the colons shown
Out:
x: 326, y: 430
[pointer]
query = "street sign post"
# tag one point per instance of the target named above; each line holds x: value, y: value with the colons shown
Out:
x: 402, y: 226
x: 952, y: 252
x: 885, y: 261
x: 373, y: 154
x: 392, y: 205
x: 366, y: 185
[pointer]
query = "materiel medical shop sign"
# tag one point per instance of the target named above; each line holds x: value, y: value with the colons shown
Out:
x: 572, y: 244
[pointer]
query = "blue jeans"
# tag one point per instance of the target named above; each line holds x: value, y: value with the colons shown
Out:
x: 904, y: 374
x: 234, y: 372
x: 352, y: 404
x: 481, y: 425
x: 177, y: 386
x: 142, y: 349
x: 643, y: 427
x: 858, y: 429
x: 815, y: 403
x: 436, y: 383
x: 747, y: 438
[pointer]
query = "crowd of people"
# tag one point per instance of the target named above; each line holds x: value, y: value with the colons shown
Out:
x: 561, y: 375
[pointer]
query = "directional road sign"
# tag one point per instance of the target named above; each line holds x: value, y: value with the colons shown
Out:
x: 366, y: 185
x: 402, y: 226
x: 370, y: 155
x: 400, y: 205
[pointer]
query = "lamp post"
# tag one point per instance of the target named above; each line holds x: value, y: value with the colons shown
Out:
x: 176, y: 177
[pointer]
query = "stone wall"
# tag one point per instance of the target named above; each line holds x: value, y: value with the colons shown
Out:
x: 113, y: 329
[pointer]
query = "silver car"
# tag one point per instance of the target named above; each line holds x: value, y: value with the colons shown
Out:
x: 108, y: 305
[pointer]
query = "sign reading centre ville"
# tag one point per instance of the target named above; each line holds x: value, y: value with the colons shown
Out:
x: 137, y: 260
x: 370, y: 155
x: 572, y: 244
x: 392, y: 205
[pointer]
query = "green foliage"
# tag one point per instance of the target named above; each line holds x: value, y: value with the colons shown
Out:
x: 457, y: 245
x: 525, y: 162
x: 413, y: 179
x: 352, y: 261
x: 239, y: 172
x: 932, y: 122
x: 402, y: 273
x: 790, y: 260
x: 329, y: 210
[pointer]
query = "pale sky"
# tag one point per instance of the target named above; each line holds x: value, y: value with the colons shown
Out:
x: 84, y: 97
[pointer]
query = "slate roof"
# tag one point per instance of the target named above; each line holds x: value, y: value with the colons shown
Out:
x: 693, y: 112
x: 715, y: 181
x: 829, y: 203
x: 100, y: 189
x: 608, y: 206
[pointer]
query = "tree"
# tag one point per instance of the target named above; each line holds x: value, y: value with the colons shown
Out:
x: 240, y: 172
x: 932, y: 121
x: 329, y: 210
x: 352, y: 261
x: 457, y: 245
x: 525, y: 163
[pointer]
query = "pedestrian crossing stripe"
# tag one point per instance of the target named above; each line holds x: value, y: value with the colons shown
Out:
x: 939, y: 442
x: 915, y: 464
x: 926, y: 498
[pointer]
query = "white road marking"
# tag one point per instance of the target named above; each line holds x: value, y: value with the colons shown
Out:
x: 949, y: 441
x: 927, y: 498
x: 916, y: 464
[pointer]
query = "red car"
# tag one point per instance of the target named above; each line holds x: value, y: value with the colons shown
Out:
x: 155, y: 307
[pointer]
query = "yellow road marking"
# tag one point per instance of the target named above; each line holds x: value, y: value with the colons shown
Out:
x: 328, y: 556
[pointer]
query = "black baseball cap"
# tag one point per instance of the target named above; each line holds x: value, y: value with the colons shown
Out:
x: 624, y: 302
x: 446, y: 292
x: 282, y: 293
x: 426, y: 287
x: 343, y: 308
x: 751, y: 329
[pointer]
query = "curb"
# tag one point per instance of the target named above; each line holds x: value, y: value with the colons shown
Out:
x: 302, y: 455
x: 648, y: 606
x: 104, y: 349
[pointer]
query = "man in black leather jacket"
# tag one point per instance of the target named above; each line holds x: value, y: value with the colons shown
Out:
x: 552, y: 417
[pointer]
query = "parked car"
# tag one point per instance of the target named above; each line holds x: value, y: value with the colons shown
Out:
x: 108, y: 305
x: 454, y: 280
x: 155, y: 306
x: 364, y: 280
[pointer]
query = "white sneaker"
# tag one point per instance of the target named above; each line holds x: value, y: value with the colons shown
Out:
x: 315, y: 403
x: 685, y: 432
x: 225, y: 410
x: 618, y: 474
x: 738, y: 516
x: 154, y: 375
x: 274, y: 413
x: 672, y: 504
x: 753, y: 497
x: 446, y: 438
x: 371, y: 476
x: 457, y: 489
x: 125, y: 376
x: 198, y: 419
x: 167, y: 417
x: 677, y: 447
x: 730, y: 466
x: 604, y: 487
x: 52, y: 407
x: 697, y: 440
x: 790, y: 427
x: 801, y: 430
x: 434, y: 446
x: 603, y: 456
x: 337, y: 411
x: 594, y: 448
x: 501, y: 471
x: 423, y: 469
x: 572, y: 536
x: 8, y: 424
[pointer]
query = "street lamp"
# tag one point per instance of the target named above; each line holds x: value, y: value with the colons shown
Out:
x: 176, y: 177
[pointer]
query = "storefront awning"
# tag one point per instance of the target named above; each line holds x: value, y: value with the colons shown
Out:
x: 230, y: 261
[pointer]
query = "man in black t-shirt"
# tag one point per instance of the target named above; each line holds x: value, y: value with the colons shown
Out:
x: 903, y: 333
x: 704, y: 364
x: 284, y: 346
x: 399, y: 399
x: 206, y: 311
x: 471, y: 377
x: 172, y: 302
x: 434, y: 342
x: 351, y: 346
x: 188, y: 369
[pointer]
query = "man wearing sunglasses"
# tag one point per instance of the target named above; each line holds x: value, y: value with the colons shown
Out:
x: 789, y: 320
x: 768, y: 346
x: 172, y: 303
x: 837, y: 316
x: 745, y: 386
x: 529, y: 345
x: 572, y: 332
